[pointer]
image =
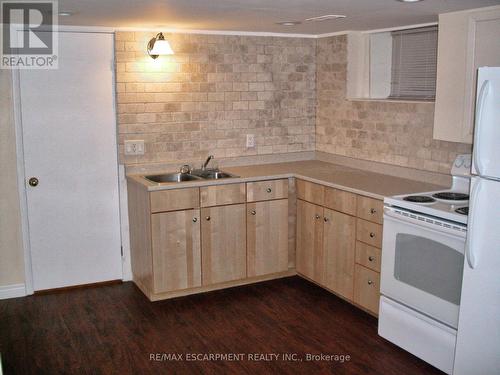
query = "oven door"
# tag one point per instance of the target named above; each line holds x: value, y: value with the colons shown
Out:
x: 422, y: 263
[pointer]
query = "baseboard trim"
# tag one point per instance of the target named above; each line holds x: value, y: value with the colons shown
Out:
x: 12, y: 291
x: 79, y: 286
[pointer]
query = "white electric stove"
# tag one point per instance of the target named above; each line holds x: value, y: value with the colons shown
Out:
x: 422, y: 267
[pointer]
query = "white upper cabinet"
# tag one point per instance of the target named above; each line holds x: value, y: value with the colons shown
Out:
x: 467, y: 40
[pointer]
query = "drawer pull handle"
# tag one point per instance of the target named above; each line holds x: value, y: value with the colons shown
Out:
x: 207, y: 218
x: 371, y: 259
x: 326, y: 219
x: 372, y: 211
x: 370, y: 282
x: 372, y: 234
x: 317, y: 217
x: 269, y: 190
x: 195, y: 219
x: 253, y: 212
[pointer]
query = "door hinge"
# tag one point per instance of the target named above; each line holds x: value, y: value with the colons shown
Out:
x: 121, y: 250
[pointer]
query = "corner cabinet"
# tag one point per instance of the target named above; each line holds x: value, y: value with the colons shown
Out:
x: 338, y: 242
x: 467, y: 40
x: 191, y: 240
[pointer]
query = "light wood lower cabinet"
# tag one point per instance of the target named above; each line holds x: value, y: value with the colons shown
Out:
x: 223, y: 233
x: 367, y: 288
x: 339, y: 252
x: 176, y: 250
x: 326, y: 247
x: 267, y: 237
x: 309, y: 239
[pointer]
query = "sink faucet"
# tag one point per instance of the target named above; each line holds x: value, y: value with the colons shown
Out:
x: 204, y: 165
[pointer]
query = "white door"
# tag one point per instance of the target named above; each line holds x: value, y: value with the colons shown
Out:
x: 69, y: 142
x: 478, y: 338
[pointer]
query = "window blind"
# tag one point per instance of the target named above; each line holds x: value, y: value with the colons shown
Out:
x: 414, y: 60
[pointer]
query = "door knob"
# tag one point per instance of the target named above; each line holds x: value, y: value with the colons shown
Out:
x: 269, y: 190
x: 371, y: 259
x: 33, y: 181
x: 253, y: 212
x: 372, y: 234
x: 195, y: 219
x: 317, y: 216
x: 372, y: 211
x: 207, y: 218
x: 370, y: 282
x: 326, y: 219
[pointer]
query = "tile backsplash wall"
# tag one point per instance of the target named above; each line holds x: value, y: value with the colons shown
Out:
x: 214, y: 91
x: 388, y: 132
x: 289, y: 92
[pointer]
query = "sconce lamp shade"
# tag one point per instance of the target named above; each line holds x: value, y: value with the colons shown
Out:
x: 159, y: 46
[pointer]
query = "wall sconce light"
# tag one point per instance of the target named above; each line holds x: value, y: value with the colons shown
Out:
x: 159, y: 46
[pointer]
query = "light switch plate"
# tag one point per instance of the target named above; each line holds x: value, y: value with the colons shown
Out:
x: 134, y: 147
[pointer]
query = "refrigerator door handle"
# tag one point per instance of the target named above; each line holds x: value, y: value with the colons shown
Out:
x: 469, y: 247
x: 483, y: 93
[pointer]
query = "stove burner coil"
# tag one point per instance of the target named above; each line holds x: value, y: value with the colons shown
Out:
x: 451, y: 196
x: 419, y: 199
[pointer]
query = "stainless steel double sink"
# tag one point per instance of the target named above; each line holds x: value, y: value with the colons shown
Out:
x: 194, y: 175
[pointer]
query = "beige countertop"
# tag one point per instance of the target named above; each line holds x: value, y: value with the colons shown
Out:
x: 358, y: 181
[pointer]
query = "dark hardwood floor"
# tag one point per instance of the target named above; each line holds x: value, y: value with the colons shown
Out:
x: 114, y: 330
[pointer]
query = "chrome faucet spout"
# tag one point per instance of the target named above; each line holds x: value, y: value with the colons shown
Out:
x: 204, y: 165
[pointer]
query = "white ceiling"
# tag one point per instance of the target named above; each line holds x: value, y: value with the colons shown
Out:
x: 258, y: 15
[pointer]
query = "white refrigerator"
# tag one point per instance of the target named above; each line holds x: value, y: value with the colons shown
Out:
x: 478, y: 338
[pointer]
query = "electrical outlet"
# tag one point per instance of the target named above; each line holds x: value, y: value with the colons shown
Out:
x: 134, y: 147
x: 250, y: 140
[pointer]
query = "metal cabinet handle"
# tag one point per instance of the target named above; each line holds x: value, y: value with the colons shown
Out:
x: 195, y: 219
x: 326, y: 220
x: 372, y: 211
x: 253, y: 212
x: 370, y: 282
x: 371, y: 259
x: 269, y: 190
x: 207, y: 218
x: 317, y: 216
x: 33, y: 181
x: 372, y: 234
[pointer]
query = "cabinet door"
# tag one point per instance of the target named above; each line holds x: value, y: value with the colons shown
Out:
x: 474, y: 34
x: 339, y: 241
x: 309, y: 239
x: 176, y: 250
x: 223, y: 233
x: 367, y: 288
x: 267, y: 237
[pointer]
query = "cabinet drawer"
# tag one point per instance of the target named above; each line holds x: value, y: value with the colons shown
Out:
x: 222, y: 194
x: 176, y: 199
x: 366, y: 288
x: 266, y: 190
x: 370, y: 209
x: 369, y: 233
x: 368, y: 256
x: 310, y: 192
x: 340, y: 200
